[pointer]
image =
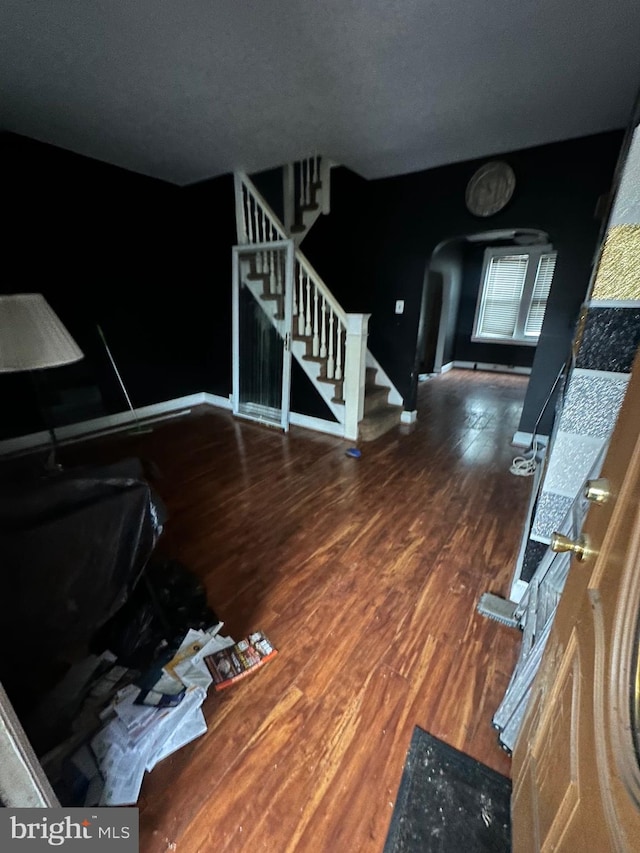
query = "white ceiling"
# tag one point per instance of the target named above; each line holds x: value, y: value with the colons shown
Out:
x: 189, y: 89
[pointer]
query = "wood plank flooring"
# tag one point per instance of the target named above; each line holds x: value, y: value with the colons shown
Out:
x: 365, y: 573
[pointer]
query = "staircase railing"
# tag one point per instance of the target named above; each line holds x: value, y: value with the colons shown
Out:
x: 306, y: 194
x: 325, y: 333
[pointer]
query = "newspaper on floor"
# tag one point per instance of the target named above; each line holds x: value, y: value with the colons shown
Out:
x: 129, y: 743
x: 136, y: 737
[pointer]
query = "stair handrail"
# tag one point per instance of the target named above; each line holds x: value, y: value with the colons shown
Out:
x: 243, y: 236
x: 346, y: 352
x: 277, y: 225
x: 322, y: 287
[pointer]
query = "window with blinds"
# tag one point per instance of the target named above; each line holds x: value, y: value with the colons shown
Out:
x: 513, y: 296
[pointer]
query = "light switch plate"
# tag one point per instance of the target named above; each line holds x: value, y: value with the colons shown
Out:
x: 399, y: 306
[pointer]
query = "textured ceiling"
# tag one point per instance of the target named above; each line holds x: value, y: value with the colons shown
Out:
x: 188, y: 90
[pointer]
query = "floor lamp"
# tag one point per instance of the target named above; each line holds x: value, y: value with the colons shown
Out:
x: 32, y: 338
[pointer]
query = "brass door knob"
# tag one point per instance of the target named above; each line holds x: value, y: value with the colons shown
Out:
x: 598, y: 491
x: 580, y: 547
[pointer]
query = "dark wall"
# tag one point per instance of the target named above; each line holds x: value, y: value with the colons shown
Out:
x: 464, y: 348
x: 209, y: 235
x: 270, y: 186
x: 338, y: 245
x: 397, y: 222
x: 151, y: 263
x: 147, y: 261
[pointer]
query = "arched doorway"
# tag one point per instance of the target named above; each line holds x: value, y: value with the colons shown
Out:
x: 450, y: 297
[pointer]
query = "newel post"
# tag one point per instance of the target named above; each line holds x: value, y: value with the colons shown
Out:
x: 355, y: 362
x: 241, y: 230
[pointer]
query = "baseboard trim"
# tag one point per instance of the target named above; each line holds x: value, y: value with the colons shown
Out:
x: 97, y: 427
x: 446, y: 367
x: 216, y: 400
x: 518, y: 589
x: 409, y: 417
x: 525, y: 439
x: 102, y: 426
x: 495, y: 368
x: 317, y: 424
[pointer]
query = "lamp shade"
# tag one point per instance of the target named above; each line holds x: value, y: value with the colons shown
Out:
x: 32, y: 336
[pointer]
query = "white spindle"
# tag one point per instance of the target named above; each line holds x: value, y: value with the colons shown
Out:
x: 307, y: 327
x: 301, y: 303
x: 273, y: 284
x: 279, y: 287
x: 264, y: 222
x: 338, y: 371
x: 323, y: 331
x: 330, y: 359
x: 256, y: 234
x: 246, y: 212
x: 315, y: 169
x: 295, y: 292
x: 316, y: 330
x: 254, y: 206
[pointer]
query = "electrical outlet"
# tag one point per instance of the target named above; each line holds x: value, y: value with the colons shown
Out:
x: 399, y: 306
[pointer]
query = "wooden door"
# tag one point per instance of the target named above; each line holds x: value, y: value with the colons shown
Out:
x: 575, y: 766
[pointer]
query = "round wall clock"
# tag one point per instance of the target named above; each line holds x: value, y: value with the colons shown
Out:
x: 490, y: 189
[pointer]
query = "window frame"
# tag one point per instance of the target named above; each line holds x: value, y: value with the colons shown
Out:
x: 518, y: 338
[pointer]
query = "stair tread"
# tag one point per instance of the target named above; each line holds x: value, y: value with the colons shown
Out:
x: 377, y: 423
x: 375, y: 389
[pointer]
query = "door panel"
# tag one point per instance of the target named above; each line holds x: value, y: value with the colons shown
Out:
x: 575, y: 768
x: 262, y: 317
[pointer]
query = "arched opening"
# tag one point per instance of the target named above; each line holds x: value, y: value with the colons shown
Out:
x: 451, y: 298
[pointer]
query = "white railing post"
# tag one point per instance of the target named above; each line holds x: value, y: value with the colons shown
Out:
x: 355, y: 362
x: 241, y: 231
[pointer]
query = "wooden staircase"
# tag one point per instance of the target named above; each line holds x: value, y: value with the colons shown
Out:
x: 379, y: 414
x: 329, y: 344
x: 306, y: 187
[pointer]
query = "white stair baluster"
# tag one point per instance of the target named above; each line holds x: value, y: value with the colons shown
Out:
x: 273, y: 284
x: 301, y: 303
x: 316, y: 330
x: 315, y: 169
x: 330, y: 359
x: 279, y: 277
x: 256, y: 235
x: 295, y: 292
x: 307, y: 327
x: 323, y: 331
x: 246, y: 213
x: 338, y: 371
x: 265, y: 239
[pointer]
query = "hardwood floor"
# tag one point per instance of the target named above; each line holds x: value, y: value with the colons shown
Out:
x: 365, y: 573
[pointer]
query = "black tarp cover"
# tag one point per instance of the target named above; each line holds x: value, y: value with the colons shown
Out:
x: 72, y: 547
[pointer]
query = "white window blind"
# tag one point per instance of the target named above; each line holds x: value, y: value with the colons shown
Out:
x: 541, y: 288
x: 503, y: 289
x: 513, y: 294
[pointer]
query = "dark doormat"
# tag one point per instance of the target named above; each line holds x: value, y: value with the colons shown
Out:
x: 449, y: 803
